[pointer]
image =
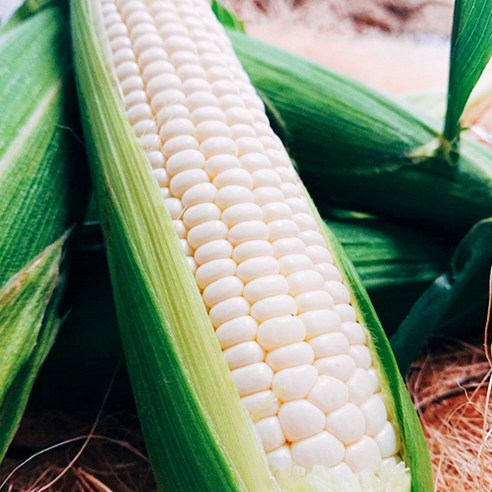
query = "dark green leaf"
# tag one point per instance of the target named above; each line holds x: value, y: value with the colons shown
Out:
x: 451, y: 304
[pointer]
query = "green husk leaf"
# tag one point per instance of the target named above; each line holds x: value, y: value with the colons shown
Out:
x: 471, y: 49
x: 454, y: 299
x: 42, y: 190
x: 41, y: 176
x: 181, y: 384
x: 362, y: 150
x: 226, y: 17
x: 28, y: 325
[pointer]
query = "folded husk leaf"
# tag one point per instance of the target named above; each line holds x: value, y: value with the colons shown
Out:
x: 363, y: 150
x: 29, y: 321
x: 42, y: 190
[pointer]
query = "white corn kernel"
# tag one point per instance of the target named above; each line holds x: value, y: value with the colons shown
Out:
x: 267, y: 286
x: 217, y: 164
x: 182, y: 182
x: 300, y: 419
x: 198, y: 214
x: 318, y: 254
x: 270, y: 433
x: 387, y: 440
x: 254, y: 162
x: 240, y: 213
x: 233, y: 177
x: 207, y: 231
x: 257, y: 267
x: 294, y: 383
x: 213, y: 250
x: 328, y: 393
x: 200, y: 193
x: 214, y: 270
x: 253, y: 378
x: 319, y: 322
x: 180, y: 228
x: 280, y: 458
x: 288, y: 246
x: 294, y: 263
x: 375, y: 414
x: 313, y: 301
x: 363, y: 456
x: 261, y: 404
x: 338, y: 366
x: 252, y: 249
x: 361, y: 356
x: 346, y: 312
x: 174, y: 207
x: 354, y: 332
x: 241, y: 329
x: 243, y: 354
x: 346, y: 423
x: 248, y: 230
x: 267, y: 194
x: 175, y: 128
x: 272, y: 307
x: 295, y: 354
x: 329, y: 271
x: 276, y: 211
x: 222, y: 289
x: 329, y: 344
x: 304, y: 280
x: 338, y: 291
x: 281, y: 331
x: 231, y: 195
x: 184, y: 160
x: 320, y: 449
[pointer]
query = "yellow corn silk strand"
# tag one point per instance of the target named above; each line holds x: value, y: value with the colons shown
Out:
x: 281, y: 311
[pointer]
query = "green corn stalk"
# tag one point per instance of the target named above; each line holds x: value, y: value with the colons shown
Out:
x: 41, y: 190
x: 172, y: 355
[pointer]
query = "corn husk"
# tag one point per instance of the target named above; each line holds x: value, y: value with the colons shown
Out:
x: 42, y: 194
x: 197, y: 432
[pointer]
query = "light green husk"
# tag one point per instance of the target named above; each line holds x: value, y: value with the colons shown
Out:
x: 41, y: 197
x: 198, y: 435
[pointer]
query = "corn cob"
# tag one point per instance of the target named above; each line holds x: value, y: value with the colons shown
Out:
x: 38, y: 174
x: 254, y: 257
